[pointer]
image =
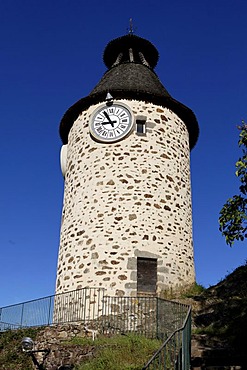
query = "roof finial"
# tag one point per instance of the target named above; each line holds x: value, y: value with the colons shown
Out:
x: 109, y: 99
x: 131, y: 28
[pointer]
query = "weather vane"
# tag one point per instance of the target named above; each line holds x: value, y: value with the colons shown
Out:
x: 130, y: 28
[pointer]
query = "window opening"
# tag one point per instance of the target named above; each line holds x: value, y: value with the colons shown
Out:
x: 141, y: 125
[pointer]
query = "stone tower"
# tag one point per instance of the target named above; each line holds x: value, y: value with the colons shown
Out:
x: 127, y: 219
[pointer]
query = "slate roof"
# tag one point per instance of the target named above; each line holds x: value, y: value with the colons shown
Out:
x: 131, y: 78
x: 124, y: 43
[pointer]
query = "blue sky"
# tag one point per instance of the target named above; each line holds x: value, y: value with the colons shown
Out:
x: 51, y: 56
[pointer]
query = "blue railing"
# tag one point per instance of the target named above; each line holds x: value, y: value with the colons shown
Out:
x: 77, y: 305
x: 150, y: 316
x: 38, y: 312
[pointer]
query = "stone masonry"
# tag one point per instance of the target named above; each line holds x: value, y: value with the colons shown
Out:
x: 126, y: 200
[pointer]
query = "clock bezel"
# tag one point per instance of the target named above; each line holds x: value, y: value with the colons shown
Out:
x: 115, y: 139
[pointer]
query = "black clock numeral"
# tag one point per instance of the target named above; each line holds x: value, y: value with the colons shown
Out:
x: 99, y: 129
x: 99, y: 117
x: 124, y: 120
x: 122, y: 115
x: 111, y: 134
x: 122, y: 126
x: 104, y: 133
x: 118, y: 131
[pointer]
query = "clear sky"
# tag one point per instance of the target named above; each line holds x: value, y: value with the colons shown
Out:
x: 51, y: 56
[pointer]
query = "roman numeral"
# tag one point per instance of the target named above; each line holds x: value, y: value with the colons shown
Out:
x: 99, y: 117
x: 118, y: 131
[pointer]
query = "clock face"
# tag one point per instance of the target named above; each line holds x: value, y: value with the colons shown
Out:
x: 111, y: 123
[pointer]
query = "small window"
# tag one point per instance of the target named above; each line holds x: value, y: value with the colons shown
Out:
x: 146, y: 275
x: 141, y: 125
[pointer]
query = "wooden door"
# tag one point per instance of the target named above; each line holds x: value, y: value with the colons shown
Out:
x: 146, y: 275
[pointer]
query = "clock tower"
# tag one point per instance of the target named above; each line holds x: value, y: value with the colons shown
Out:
x: 127, y: 219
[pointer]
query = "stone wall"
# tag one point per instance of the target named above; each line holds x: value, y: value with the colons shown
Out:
x: 63, y: 353
x: 126, y: 200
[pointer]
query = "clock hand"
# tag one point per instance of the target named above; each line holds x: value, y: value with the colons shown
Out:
x: 110, y: 121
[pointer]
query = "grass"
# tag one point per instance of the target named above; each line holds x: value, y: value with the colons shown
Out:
x: 11, y: 355
x: 193, y: 290
x: 186, y: 292
x: 211, y: 331
x: 120, y: 352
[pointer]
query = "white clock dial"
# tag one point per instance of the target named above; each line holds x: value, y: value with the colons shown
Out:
x: 111, y: 123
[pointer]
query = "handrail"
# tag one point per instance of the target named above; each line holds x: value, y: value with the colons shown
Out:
x: 26, y: 302
x: 168, y: 339
x: 152, y: 317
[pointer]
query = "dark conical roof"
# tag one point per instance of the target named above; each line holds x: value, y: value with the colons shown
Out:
x: 131, y: 78
x: 124, y: 44
x: 131, y: 60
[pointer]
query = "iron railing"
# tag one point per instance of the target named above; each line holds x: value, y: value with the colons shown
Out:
x: 149, y: 316
x: 174, y: 354
x: 82, y: 305
x: 37, y: 312
x: 74, y: 306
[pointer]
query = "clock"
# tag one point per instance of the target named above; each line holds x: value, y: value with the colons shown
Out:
x: 110, y: 123
x: 63, y: 159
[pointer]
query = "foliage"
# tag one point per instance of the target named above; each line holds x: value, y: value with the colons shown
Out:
x: 194, y: 290
x: 189, y: 291
x: 223, y: 311
x: 11, y: 355
x: 121, y: 352
x: 211, y: 331
x: 233, y: 215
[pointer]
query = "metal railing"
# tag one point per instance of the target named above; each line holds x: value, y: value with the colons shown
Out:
x: 149, y: 316
x: 175, y: 351
x: 37, y: 312
x: 76, y: 306
x: 82, y: 305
